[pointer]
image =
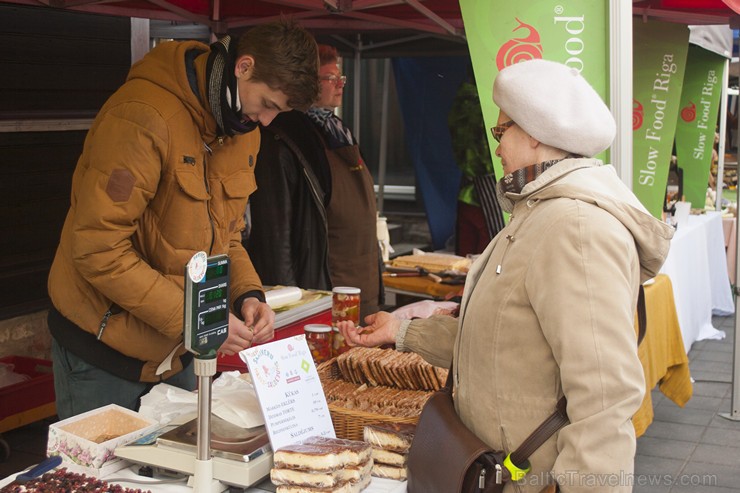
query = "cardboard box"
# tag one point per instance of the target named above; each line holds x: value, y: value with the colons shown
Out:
x: 86, y: 442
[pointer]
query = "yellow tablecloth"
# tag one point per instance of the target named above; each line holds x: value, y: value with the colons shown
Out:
x: 662, y: 353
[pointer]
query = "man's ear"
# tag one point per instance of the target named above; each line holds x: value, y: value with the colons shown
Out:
x: 244, y: 66
x: 533, y: 143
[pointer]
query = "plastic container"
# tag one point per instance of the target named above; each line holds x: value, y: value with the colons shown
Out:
x: 28, y: 401
x: 318, y: 337
x: 32, y: 393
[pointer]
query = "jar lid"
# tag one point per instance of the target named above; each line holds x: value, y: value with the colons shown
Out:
x: 317, y: 328
x: 345, y: 290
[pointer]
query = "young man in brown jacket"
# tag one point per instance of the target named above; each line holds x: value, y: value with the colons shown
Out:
x: 166, y: 171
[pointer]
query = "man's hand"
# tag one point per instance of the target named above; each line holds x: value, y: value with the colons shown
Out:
x: 257, y: 327
x: 382, y: 328
x: 260, y: 317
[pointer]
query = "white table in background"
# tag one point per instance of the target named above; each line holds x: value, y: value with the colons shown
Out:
x: 697, y: 267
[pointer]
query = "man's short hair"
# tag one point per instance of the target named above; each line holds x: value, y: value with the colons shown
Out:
x: 285, y: 58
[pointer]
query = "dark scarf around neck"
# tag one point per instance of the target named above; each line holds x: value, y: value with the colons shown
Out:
x: 333, y: 128
x: 223, y: 92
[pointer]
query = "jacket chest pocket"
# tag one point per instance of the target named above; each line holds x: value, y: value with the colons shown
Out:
x: 236, y: 191
x: 184, y: 222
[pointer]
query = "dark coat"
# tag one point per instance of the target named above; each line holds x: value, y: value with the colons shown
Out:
x: 288, y: 241
x: 313, y: 214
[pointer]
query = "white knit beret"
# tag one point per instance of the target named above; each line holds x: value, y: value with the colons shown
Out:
x: 554, y: 104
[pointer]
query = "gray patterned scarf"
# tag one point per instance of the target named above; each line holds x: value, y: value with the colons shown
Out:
x: 223, y: 90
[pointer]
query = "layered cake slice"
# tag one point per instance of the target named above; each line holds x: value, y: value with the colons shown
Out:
x: 391, y: 443
x: 322, y: 465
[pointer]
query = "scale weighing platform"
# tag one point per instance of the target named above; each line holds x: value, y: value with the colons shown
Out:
x: 236, y: 456
x: 241, y: 457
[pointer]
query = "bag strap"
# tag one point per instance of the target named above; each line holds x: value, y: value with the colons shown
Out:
x: 544, y: 431
x: 559, y: 417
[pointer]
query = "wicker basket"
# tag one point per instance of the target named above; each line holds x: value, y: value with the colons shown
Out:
x: 350, y: 423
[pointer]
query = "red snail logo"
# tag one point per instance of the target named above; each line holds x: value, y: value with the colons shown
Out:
x: 637, y: 114
x: 688, y: 113
x: 519, y: 49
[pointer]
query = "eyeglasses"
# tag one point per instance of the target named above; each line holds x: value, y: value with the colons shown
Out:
x: 498, y: 130
x: 335, y: 80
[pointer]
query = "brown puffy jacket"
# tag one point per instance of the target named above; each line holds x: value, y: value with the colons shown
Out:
x: 152, y: 187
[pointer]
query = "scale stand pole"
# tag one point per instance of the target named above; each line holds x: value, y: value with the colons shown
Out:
x: 205, y: 369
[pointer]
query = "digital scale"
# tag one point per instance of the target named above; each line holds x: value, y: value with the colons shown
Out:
x: 206, y: 304
x: 236, y: 456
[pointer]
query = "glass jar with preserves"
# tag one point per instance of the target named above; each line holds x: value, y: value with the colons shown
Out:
x: 339, y: 345
x: 345, y: 304
x: 318, y: 337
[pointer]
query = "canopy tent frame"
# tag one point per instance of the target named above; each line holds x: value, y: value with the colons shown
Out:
x: 367, y: 16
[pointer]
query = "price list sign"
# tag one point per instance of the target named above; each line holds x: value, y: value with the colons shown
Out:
x: 289, y: 391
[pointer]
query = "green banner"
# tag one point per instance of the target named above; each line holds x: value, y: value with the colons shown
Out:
x: 659, y: 63
x: 501, y: 33
x: 697, y: 121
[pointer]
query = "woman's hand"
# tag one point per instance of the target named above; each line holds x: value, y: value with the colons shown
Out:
x: 382, y: 328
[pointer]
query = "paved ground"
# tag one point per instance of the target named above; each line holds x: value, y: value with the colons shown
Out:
x: 693, y: 448
x: 690, y: 449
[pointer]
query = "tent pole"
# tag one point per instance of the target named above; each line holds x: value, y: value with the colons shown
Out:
x: 620, y: 86
x: 722, y: 132
x: 140, y: 44
x: 215, y: 18
x: 734, y: 413
x: 357, y: 84
x: 383, y: 158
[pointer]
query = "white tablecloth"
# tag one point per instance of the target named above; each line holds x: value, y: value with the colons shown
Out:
x: 697, y: 267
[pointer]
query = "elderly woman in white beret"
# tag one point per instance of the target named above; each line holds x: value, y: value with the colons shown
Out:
x: 548, y: 308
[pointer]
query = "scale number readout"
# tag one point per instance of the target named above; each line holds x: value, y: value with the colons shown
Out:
x: 212, y: 294
x: 206, y: 325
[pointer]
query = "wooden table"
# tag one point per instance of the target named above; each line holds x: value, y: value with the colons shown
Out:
x: 662, y: 352
x: 409, y: 289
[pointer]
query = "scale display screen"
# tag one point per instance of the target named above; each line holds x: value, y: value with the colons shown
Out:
x: 206, y: 304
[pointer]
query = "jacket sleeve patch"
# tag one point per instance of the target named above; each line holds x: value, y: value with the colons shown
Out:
x: 120, y: 185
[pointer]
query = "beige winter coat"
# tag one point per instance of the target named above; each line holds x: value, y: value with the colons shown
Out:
x: 548, y: 310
